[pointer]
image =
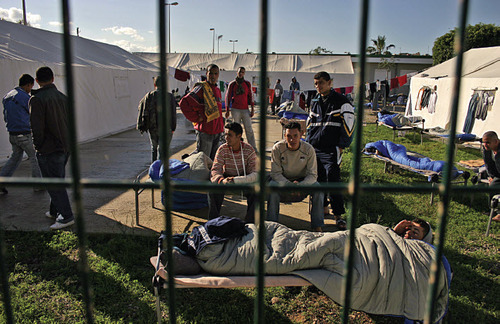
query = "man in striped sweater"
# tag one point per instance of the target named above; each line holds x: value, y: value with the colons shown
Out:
x: 234, y: 162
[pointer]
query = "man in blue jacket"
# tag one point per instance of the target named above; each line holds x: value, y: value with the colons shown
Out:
x: 16, y: 114
x: 329, y: 131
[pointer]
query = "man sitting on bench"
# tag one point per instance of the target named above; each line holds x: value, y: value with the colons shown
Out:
x: 294, y: 161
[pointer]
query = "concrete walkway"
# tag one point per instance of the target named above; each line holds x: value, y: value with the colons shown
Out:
x: 124, y: 156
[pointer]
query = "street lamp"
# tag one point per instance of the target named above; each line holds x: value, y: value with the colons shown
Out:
x: 218, y: 41
x: 168, y: 10
x: 233, y: 41
x: 213, y: 40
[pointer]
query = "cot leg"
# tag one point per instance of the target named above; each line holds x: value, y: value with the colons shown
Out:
x: 432, y: 194
x: 494, y: 205
x: 153, y: 197
x: 393, y: 135
x: 136, y: 206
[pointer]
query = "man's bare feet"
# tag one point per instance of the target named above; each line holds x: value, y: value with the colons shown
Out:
x: 496, y: 218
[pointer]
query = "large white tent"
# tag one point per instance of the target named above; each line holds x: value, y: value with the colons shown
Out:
x: 280, y: 66
x: 480, y: 71
x: 109, y: 81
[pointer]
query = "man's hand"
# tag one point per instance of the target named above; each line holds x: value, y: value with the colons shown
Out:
x: 227, y: 113
x: 252, y: 112
x: 228, y: 180
x: 341, y: 150
x: 402, y: 226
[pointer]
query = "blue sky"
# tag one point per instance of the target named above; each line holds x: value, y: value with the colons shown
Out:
x: 294, y: 26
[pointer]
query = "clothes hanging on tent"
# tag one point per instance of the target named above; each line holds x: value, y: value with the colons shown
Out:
x: 423, y: 98
x: 486, y: 98
x: 349, y: 90
x: 402, y: 80
x: 394, y: 83
x: 471, y: 113
x: 432, y: 102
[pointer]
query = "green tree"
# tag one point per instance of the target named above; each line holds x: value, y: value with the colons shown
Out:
x: 379, y: 46
x: 319, y: 50
x: 479, y: 35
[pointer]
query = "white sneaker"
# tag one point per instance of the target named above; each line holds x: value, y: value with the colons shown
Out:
x: 49, y: 215
x: 59, y: 225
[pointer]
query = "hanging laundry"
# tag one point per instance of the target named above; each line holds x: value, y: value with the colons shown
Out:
x: 432, y: 102
x: 348, y: 90
x: 471, y: 112
x: 270, y: 95
x: 402, y: 80
x: 336, y: 90
x: 181, y: 75
x: 394, y: 83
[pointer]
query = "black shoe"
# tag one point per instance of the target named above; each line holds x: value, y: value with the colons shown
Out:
x: 184, y: 156
x: 3, y: 191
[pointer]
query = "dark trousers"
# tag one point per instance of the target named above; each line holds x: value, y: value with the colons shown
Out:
x: 53, y: 165
x: 329, y: 171
x: 215, y: 204
x: 276, y: 103
x: 494, y: 183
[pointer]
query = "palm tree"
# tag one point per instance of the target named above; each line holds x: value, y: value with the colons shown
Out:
x: 379, y: 47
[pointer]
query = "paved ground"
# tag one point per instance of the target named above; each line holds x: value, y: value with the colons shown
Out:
x: 124, y: 156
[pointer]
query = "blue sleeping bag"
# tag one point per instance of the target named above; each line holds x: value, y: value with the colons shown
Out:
x: 181, y: 200
x: 397, y: 153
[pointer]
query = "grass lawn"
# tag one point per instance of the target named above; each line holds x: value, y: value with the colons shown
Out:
x: 45, y: 287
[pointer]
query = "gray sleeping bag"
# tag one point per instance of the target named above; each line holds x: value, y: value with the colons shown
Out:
x: 390, y: 273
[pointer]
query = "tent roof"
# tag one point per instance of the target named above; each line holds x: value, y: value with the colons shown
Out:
x: 477, y: 63
x: 24, y: 43
x: 337, y: 64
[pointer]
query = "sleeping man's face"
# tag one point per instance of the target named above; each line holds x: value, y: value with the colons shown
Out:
x: 414, y: 231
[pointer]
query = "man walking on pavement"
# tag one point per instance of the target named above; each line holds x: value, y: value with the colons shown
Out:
x: 49, y: 124
x: 16, y: 114
x: 203, y: 107
x: 238, y: 97
x: 147, y: 119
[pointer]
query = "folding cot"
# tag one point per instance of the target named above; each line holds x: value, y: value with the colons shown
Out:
x: 399, y: 123
x: 390, y: 165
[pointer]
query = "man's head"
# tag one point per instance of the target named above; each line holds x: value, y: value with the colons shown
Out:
x: 212, y: 74
x: 44, y: 76
x: 278, y: 81
x: 490, y: 141
x: 294, y: 79
x: 293, y: 133
x: 233, y: 132
x: 323, y: 82
x: 418, y: 229
x: 157, y: 81
x: 26, y: 82
x: 241, y: 72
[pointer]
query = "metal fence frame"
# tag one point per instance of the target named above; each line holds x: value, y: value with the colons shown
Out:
x: 354, y: 188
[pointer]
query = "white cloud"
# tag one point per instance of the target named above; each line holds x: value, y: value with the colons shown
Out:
x: 16, y: 15
x: 131, y: 47
x: 55, y: 23
x: 129, y: 31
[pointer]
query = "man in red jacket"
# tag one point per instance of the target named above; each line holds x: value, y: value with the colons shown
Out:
x: 238, y: 97
x: 203, y: 107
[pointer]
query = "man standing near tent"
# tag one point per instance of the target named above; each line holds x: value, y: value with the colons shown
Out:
x: 278, y: 92
x: 294, y: 85
x: 49, y: 124
x: 491, y: 156
x: 16, y: 114
x: 330, y: 128
x: 147, y: 119
x: 238, y: 97
x: 203, y: 107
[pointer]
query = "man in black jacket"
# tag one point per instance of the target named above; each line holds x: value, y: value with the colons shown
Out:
x: 491, y: 156
x: 329, y: 130
x: 147, y: 119
x: 49, y: 124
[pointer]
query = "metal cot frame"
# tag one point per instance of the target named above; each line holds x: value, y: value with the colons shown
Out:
x: 261, y: 188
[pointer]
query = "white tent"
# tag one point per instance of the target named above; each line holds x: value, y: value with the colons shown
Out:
x: 280, y: 66
x: 480, y: 71
x: 109, y: 81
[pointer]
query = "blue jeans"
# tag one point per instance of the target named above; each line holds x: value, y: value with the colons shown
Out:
x: 317, y: 215
x: 207, y: 143
x: 242, y: 117
x: 21, y: 144
x: 53, y: 165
